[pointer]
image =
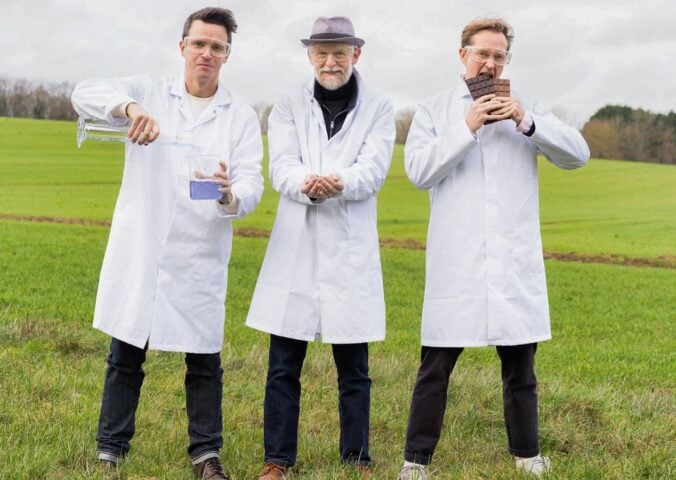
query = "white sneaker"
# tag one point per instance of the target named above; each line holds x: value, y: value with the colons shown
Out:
x: 413, y: 472
x: 537, y: 466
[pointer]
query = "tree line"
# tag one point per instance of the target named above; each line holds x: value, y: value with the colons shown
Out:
x: 624, y: 133
x: 613, y: 132
x: 22, y: 98
x: 402, y: 120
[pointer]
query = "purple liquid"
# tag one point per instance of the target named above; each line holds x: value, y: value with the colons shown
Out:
x: 204, y: 190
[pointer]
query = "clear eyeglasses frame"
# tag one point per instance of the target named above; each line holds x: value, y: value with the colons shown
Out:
x: 199, y: 45
x: 483, y: 54
x: 320, y: 54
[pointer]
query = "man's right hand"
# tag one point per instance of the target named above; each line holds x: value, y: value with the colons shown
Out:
x: 144, y: 128
x: 478, y: 112
x: 308, y: 183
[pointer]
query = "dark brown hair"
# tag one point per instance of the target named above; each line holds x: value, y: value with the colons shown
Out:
x: 493, y: 24
x: 215, y: 16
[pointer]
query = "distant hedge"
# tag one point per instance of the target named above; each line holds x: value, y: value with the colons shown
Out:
x: 624, y: 133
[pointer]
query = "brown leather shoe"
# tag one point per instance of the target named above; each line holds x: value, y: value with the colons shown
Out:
x: 210, y: 469
x: 272, y: 471
x: 365, y: 471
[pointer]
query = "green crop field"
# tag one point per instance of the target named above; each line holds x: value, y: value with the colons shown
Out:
x: 607, y: 381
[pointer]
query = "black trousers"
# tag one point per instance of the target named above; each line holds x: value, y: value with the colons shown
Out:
x: 122, y: 389
x: 430, y: 393
x: 282, y: 400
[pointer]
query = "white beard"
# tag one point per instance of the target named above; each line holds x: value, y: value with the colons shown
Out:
x: 334, y: 83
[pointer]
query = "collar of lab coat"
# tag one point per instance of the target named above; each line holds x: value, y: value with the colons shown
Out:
x: 222, y: 98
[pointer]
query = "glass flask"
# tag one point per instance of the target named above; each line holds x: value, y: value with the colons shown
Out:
x: 202, y: 184
x: 101, y: 131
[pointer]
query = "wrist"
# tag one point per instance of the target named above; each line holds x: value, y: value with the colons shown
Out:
x: 525, y: 124
x: 471, y: 129
x: 132, y: 109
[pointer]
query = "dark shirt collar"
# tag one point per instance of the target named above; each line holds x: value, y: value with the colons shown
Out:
x: 347, y: 91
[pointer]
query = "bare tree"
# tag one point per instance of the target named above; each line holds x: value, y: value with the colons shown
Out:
x: 667, y: 151
x: 4, y: 102
x: 402, y: 121
x: 602, y: 138
x: 263, y: 111
x: 21, y: 98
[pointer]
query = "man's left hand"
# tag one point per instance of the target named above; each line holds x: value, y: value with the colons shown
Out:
x: 510, y: 108
x: 332, y: 185
x: 221, y: 177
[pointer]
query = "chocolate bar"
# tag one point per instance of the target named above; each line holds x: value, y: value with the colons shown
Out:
x: 485, y: 84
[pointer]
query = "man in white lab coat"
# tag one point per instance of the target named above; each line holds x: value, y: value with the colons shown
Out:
x: 331, y: 143
x: 485, y: 273
x: 164, y: 274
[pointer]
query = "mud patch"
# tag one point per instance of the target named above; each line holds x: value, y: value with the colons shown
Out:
x: 60, y: 220
x: 407, y: 243
x: 664, y: 261
x: 250, y: 232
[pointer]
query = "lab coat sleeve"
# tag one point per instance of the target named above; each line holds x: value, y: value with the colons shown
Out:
x: 364, y: 178
x: 287, y: 170
x: 98, y: 98
x: 561, y: 144
x: 430, y: 155
x: 245, y: 163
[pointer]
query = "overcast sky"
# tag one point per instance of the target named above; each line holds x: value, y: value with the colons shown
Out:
x: 573, y: 56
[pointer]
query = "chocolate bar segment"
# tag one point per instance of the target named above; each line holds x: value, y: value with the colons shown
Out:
x: 480, y: 85
x: 502, y: 87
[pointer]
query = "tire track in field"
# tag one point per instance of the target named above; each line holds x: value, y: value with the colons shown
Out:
x: 60, y: 220
x: 663, y: 261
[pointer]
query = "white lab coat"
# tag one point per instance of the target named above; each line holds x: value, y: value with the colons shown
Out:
x: 321, y: 275
x: 485, y: 278
x: 164, y: 275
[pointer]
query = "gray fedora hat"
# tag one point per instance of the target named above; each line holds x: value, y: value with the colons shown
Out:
x: 332, y: 30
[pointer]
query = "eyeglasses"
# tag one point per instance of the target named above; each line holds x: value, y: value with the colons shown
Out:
x: 482, y: 55
x: 339, y: 54
x: 199, y: 45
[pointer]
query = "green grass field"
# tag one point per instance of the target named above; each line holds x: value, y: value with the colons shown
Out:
x: 607, y: 406
x: 608, y: 207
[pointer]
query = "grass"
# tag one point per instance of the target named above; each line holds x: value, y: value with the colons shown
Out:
x: 607, y: 207
x: 607, y: 408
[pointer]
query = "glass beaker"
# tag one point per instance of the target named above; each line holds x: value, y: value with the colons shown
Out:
x: 202, y: 184
x: 101, y: 131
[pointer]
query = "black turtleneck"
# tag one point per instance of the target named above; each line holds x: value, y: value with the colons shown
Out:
x: 336, y: 104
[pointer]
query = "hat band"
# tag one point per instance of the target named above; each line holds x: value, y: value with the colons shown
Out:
x: 329, y: 36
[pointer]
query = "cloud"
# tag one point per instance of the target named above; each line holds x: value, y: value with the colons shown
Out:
x: 576, y: 55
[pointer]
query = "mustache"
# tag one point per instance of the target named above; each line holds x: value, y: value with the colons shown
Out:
x: 332, y: 70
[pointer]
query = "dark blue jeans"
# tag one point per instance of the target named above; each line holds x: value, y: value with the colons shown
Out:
x: 282, y: 400
x: 122, y: 388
